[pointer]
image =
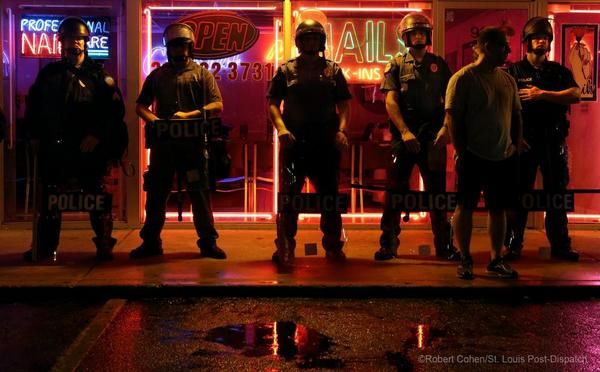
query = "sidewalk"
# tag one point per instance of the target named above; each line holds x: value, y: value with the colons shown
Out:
x: 249, y: 272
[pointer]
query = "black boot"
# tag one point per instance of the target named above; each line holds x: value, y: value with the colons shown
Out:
x: 147, y: 249
x: 384, y: 254
x: 43, y: 253
x: 447, y: 252
x: 104, y: 248
x: 567, y: 254
x: 285, y: 253
x: 334, y: 253
x: 213, y: 251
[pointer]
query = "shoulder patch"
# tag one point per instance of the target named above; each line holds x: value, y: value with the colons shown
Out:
x: 388, y: 67
x: 434, y: 67
x: 109, y: 81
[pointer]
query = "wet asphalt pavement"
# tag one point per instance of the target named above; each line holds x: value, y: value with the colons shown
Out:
x: 309, y: 334
x: 32, y: 335
x: 319, y: 334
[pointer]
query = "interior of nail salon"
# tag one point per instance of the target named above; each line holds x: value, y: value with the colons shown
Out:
x: 245, y: 43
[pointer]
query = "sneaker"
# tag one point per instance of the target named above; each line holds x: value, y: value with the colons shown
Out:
x: 146, y: 250
x: 501, y: 269
x: 213, y: 252
x: 384, y: 254
x: 565, y: 254
x: 465, y: 268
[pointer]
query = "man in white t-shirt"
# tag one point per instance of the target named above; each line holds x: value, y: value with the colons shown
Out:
x: 483, y: 115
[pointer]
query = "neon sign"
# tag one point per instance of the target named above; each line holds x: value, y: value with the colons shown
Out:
x: 221, y: 34
x: 39, y: 38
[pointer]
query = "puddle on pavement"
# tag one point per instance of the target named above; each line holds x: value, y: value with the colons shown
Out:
x: 286, y: 340
x: 171, y: 334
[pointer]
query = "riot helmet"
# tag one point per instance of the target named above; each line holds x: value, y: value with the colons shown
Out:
x: 415, y: 22
x: 308, y: 27
x: 74, y: 27
x: 537, y: 26
x: 176, y: 34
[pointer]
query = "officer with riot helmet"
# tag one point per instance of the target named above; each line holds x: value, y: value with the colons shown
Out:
x: 180, y: 89
x: 312, y: 134
x: 546, y: 90
x: 415, y: 85
x: 75, y: 126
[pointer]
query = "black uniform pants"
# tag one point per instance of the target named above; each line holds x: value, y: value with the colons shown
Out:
x: 549, y: 154
x: 432, y: 166
x: 189, y: 159
x: 64, y: 169
x: 320, y: 163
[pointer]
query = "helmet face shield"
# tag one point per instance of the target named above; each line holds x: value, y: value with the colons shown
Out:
x: 73, y: 29
x: 307, y: 28
x: 175, y: 36
x: 176, y: 31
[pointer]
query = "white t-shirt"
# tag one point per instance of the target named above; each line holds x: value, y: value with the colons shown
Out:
x: 486, y: 101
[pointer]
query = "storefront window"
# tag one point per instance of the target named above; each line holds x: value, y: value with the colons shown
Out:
x: 243, y: 59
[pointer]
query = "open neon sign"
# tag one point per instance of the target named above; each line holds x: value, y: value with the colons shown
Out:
x: 39, y: 36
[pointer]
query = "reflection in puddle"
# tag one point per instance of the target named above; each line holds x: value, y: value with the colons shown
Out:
x: 286, y: 340
x: 423, y: 336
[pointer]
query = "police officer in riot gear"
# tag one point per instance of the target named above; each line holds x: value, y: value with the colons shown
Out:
x: 311, y: 134
x: 73, y: 110
x: 415, y: 85
x: 546, y: 90
x: 180, y: 89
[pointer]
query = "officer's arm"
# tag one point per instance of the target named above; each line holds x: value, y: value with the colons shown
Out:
x: 563, y: 97
x: 275, y: 115
x: 145, y: 113
x: 393, y: 110
x: 214, y: 108
x: 344, y: 114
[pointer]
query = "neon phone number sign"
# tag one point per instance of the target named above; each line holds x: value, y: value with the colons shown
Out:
x: 39, y: 36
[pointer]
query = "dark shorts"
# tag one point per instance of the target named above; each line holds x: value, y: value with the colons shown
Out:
x: 497, y: 180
